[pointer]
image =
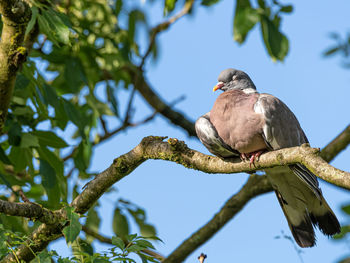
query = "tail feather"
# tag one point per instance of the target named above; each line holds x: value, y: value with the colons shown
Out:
x: 323, y: 217
x: 304, y: 206
x: 304, y: 233
x: 300, y: 224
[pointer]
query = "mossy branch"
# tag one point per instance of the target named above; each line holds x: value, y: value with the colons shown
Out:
x: 177, y: 151
x: 15, y: 16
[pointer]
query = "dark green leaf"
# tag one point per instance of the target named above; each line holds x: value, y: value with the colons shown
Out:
x: 71, y: 231
x: 120, y: 224
x: 15, y: 134
x: 3, y: 156
x: 50, y: 95
x: 52, y: 159
x: 92, y: 222
x: 73, y: 114
x: 52, y: 25
x: 287, y: 9
x: 20, y: 157
x: 331, y: 51
x: 147, y: 230
x: 74, y: 75
x: 83, y: 155
x: 209, y: 2
x: 112, y: 98
x: 346, y: 209
x: 144, y: 243
x: 49, y: 181
x: 47, y: 138
x: 134, y: 248
x: 118, y: 6
x: 134, y: 17
x: 118, y: 242
x: 82, y: 247
x: 169, y: 6
x: 275, y: 42
x: 344, y: 231
x: 43, y: 257
x: 29, y: 140
x: 32, y: 19
x: 245, y: 19
x: 21, y: 82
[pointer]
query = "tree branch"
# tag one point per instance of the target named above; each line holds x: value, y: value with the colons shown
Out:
x: 337, y: 145
x: 29, y: 210
x: 256, y: 185
x: 173, y: 150
x: 15, y: 17
x: 164, y: 26
x: 158, y: 103
x: 205, y: 233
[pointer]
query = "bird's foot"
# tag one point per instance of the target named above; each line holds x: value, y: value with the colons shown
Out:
x: 254, y: 156
x: 243, y: 157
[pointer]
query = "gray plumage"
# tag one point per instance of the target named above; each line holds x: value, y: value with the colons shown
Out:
x: 245, y: 121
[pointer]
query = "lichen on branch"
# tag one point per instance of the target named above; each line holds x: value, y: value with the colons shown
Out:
x: 15, y: 15
x: 154, y: 147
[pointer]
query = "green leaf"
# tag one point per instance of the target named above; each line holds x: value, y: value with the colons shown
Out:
x: 118, y: 242
x: 71, y: 231
x: 92, y: 222
x: 100, y: 107
x: 20, y: 157
x: 275, y: 42
x: 245, y: 19
x: 50, y: 95
x: 331, y: 51
x: 112, y: 98
x: 169, y: 6
x: 29, y: 140
x: 120, y: 224
x: 81, y: 247
x: 74, y: 75
x: 32, y: 19
x: 83, y: 155
x: 49, y: 181
x: 209, y: 2
x: 144, y: 243
x: 15, y: 134
x: 343, y: 232
x: 3, y: 156
x: 53, y: 26
x: 48, y: 138
x: 118, y: 6
x: 134, y: 248
x: 52, y: 159
x: 73, y: 113
x: 147, y: 230
x: 43, y: 257
x: 346, y: 209
x: 287, y: 9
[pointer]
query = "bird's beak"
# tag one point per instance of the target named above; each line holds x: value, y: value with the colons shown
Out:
x: 219, y: 85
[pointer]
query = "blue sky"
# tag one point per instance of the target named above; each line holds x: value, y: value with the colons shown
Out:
x: 192, y: 54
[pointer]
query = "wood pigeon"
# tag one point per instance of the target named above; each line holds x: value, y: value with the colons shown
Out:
x: 246, y: 123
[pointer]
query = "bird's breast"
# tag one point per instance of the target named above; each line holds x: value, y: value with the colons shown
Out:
x: 237, y: 123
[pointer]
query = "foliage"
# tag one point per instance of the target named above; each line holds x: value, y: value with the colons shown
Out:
x: 83, y: 252
x: 341, y: 47
x: 58, y: 111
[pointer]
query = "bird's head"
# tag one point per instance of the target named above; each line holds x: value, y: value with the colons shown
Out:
x: 230, y: 79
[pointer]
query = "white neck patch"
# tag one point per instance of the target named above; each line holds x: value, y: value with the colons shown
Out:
x: 249, y: 91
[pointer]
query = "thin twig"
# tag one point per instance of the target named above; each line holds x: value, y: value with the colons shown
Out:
x: 163, y: 26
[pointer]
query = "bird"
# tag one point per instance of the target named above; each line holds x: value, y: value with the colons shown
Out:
x: 244, y: 123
